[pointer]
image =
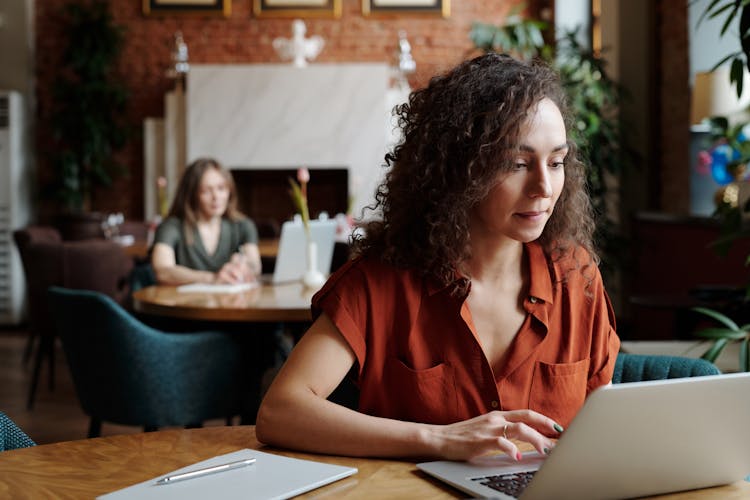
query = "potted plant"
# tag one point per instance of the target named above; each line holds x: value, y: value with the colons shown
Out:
x: 731, y: 138
x: 723, y: 335
x: 733, y: 149
x: 90, y: 101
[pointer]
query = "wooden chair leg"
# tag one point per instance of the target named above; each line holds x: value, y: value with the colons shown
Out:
x: 29, y: 349
x: 95, y: 427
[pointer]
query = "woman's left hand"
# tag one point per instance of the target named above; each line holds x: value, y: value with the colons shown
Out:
x: 235, y: 271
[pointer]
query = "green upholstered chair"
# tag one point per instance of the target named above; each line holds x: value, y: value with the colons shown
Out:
x: 639, y: 367
x: 11, y: 437
x: 128, y: 373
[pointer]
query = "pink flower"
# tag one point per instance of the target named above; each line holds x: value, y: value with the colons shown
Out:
x: 161, y: 196
x: 704, y: 163
x: 303, y: 175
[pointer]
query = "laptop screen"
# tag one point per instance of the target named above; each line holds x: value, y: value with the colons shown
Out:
x: 291, y: 260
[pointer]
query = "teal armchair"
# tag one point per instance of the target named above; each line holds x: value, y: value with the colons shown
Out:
x: 11, y: 437
x: 640, y: 367
x: 128, y: 373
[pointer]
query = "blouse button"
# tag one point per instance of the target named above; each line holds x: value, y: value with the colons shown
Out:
x: 533, y: 300
x: 493, y: 404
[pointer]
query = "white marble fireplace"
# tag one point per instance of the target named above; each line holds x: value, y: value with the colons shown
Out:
x: 279, y: 116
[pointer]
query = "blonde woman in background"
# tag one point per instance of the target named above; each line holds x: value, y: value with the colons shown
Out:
x: 204, y: 238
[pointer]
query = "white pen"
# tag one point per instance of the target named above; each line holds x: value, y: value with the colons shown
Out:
x: 204, y: 472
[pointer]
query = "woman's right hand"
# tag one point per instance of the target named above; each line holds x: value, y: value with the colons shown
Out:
x: 243, y: 267
x: 232, y: 272
x: 493, y: 432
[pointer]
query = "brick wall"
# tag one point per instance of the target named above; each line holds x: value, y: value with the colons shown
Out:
x: 437, y: 44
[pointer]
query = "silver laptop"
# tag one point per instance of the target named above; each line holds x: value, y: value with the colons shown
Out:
x: 628, y: 440
x: 291, y: 259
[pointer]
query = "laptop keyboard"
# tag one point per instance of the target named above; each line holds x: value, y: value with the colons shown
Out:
x: 511, y: 484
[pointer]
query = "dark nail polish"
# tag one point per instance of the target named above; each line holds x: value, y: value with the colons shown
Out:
x: 558, y: 428
x: 546, y: 451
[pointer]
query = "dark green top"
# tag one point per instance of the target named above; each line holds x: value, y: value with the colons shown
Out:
x: 233, y: 235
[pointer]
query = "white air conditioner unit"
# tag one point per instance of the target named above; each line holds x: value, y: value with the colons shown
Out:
x: 14, y: 205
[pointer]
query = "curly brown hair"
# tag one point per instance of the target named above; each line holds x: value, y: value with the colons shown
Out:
x: 457, y: 133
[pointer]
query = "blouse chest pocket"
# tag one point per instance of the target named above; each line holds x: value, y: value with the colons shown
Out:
x: 427, y: 395
x: 558, y: 390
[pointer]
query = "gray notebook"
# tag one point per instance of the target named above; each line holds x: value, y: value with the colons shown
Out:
x: 628, y: 440
x: 270, y: 477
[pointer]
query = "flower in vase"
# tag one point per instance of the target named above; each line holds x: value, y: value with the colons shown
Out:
x: 161, y: 196
x: 299, y: 196
x: 303, y: 176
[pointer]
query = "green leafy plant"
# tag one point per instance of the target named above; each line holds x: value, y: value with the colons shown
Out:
x: 729, y: 215
x: 90, y: 101
x: 741, y: 58
x: 722, y: 336
x: 519, y: 36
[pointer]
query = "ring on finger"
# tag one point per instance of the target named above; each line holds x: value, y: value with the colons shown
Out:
x: 505, y: 431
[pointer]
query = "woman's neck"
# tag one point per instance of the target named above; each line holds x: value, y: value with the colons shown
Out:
x: 495, y: 259
x: 208, y: 221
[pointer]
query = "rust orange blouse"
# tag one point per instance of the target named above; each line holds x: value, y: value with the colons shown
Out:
x: 419, y: 358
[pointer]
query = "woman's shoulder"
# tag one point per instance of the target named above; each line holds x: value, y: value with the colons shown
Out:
x: 373, y: 273
x: 170, y: 225
x: 240, y: 223
x: 368, y: 284
x: 171, y: 221
x: 170, y: 232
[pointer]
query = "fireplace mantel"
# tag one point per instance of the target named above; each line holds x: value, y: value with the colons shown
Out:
x: 279, y: 116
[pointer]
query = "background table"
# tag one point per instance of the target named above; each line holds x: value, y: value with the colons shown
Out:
x: 284, y: 303
x: 91, y: 467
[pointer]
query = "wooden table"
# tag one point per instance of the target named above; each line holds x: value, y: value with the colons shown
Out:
x: 284, y: 303
x: 91, y: 467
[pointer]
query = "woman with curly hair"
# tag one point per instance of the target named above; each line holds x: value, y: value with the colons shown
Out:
x: 205, y: 239
x: 474, y: 312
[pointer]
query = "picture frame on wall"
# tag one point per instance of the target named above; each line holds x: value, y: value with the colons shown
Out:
x: 187, y: 7
x: 297, y: 8
x: 406, y: 7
